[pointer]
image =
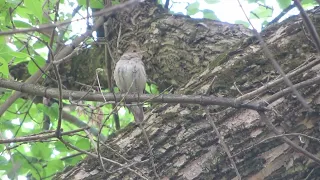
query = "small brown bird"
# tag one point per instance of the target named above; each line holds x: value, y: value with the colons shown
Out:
x: 130, y: 76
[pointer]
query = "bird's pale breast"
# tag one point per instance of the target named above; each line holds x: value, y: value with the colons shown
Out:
x: 130, y: 75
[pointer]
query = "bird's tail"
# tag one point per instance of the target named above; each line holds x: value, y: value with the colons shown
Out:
x: 137, y: 112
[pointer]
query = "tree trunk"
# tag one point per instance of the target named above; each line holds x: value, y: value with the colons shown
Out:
x: 187, y: 54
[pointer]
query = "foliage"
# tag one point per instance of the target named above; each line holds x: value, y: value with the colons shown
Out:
x: 41, y: 159
x: 44, y: 158
x: 263, y: 11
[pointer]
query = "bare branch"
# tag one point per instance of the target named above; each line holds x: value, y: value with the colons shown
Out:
x: 275, y: 63
x: 222, y: 142
x: 103, y: 12
x: 105, y: 159
x: 74, y: 120
x: 39, y: 137
x: 283, y: 92
x: 271, y: 127
x: 66, y: 50
x: 312, y: 30
x: 276, y: 137
x: 278, y: 81
x: 164, y: 98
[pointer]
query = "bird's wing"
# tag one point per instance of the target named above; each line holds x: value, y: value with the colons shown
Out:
x: 120, y: 75
x: 139, y: 76
x: 130, y: 75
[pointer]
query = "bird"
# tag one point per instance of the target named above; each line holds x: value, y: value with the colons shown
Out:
x: 130, y: 77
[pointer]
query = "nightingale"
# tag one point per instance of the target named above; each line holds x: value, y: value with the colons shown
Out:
x: 130, y: 76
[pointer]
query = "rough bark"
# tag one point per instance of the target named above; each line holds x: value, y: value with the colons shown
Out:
x: 187, y: 54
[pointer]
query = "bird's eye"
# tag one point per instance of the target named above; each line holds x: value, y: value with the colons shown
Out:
x: 134, y: 51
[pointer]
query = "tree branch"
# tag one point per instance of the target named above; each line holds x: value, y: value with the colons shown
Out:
x: 263, y: 117
x: 163, y: 98
x: 105, y: 12
x: 65, y: 51
x: 39, y: 137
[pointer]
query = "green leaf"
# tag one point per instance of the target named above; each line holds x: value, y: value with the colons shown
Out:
x: 6, y: 167
x: 52, y: 111
x: 82, y: 2
x: 115, y: 2
x: 96, y: 4
x: 93, y: 3
x: 7, y: 125
x: 35, y: 113
x: 2, y: 41
x: 4, y: 68
x: 284, y: 3
x: 264, y: 23
x: 21, y: 24
x: 73, y: 161
x: 7, y: 18
x: 211, y: 1
x: 19, y: 54
x: 13, y: 3
x: 255, y: 1
x: 245, y: 23
x: 193, y: 8
x: 22, y: 148
x: 38, y: 45
x: 53, y: 166
x: 41, y: 150
x: 32, y: 67
x: 308, y: 2
x: 7, y: 53
x: 152, y: 89
x: 36, y: 171
x: 260, y: 12
x: 59, y: 146
x: 209, y: 14
x: 23, y: 12
x: 83, y: 144
x: 3, y: 163
x: 23, y: 161
x: 35, y: 6
x: 4, y: 48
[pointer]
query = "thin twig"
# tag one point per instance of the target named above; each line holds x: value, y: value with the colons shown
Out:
x: 215, y: 129
x: 271, y: 127
x: 108, y: 60
x: 65, y: 51
x: 150, y: 150
x: 222, y: 142
x: 275, y: 137
x: 74, y: 120
x: 105, y: 159
x: 101, y: 125
x: 55, y: 69
x: 39, y: 137
x: 310, y: 27
x: 275, y: 63
x: 62, y: 33
x: 68, y: 57
x: 269, y: 85
x: 283, y: 92
x: 11, y: 158
x: 104, y: 12
x: 284, y: 12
